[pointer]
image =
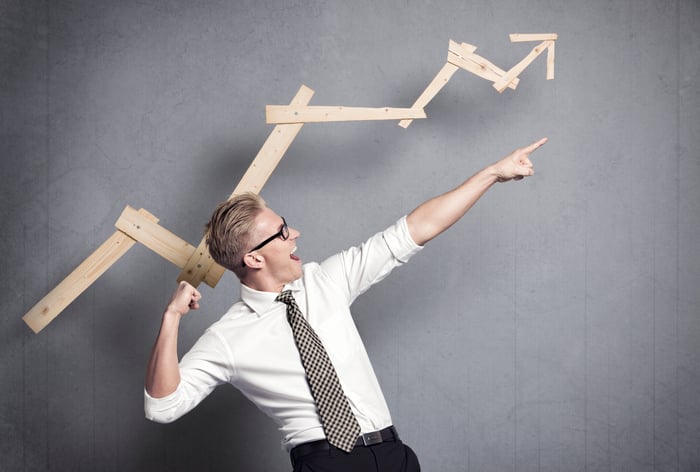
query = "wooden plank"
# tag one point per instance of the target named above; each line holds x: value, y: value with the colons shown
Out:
x: 214, y: 273
x: 519, y: 37
x: 461, y: 48
x: 80, y: 279
x: 201, y: 267
x: 478, y: 65
x: 321, y: 114
x: 154, y: 237
x: 503, y: 82
x: 459, y: 56
x: 438, y: 82
x: 272, y: 151
x: 488, y: 69
x: 550, y: 62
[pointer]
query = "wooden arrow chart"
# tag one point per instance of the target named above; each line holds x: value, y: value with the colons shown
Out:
x: 196, y: 263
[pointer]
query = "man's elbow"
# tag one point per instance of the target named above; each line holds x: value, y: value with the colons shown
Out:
x: 162, y: 409
x: 160, y: 416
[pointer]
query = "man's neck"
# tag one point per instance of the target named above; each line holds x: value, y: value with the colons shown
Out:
x: 262, y: 284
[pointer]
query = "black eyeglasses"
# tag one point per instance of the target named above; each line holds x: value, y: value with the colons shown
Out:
x: 283, y: 233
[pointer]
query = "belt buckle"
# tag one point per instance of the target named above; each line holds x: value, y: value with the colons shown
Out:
x: 372, y: 438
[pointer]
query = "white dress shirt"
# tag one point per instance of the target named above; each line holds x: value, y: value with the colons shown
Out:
x: 252, y: 346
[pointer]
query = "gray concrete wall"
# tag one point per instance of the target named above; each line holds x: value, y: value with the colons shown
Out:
x: 555, y: 328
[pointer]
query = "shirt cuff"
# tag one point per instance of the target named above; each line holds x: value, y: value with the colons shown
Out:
x: 400, y: 242
x: 161, y: 409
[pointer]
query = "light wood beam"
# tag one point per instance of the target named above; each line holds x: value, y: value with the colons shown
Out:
x: 321, y: 114
x: 81, y: 278
x: 201, y: 266
x: 502, y: 83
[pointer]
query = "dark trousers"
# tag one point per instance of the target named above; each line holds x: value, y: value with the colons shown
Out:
x: 393, y: 456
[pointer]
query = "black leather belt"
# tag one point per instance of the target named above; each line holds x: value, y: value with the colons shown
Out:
x: 366, y: 439
x: 377, y: 437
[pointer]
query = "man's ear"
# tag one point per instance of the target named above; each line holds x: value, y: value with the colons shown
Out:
x: 253, y: 260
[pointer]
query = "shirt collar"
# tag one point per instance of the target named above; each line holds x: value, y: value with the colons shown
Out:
x: 262, y: 302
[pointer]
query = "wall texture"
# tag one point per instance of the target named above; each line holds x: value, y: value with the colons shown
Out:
x: 555, y: 328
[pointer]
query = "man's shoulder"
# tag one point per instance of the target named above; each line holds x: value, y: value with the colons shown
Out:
x: 313, y: 272
x: 309, y: 268
x: 235, y: 313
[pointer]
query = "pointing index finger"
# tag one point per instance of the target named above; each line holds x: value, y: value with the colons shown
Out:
x: 529, y: 149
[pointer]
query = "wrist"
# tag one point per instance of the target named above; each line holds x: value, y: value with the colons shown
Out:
x: 493, y: 173
x: 172, y: 314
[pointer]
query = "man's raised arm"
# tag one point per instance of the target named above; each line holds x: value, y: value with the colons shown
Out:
x: 163, y: 373
x: 437, y: 214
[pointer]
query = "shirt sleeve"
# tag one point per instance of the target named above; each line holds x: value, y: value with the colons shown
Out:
x: 203, y: 368
x: 358, y: 268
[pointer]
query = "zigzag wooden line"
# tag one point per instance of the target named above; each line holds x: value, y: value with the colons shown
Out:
x: 461, y: 56
x: 196, y: 263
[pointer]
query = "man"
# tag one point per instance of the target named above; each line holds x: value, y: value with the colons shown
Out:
x: 264, y: 346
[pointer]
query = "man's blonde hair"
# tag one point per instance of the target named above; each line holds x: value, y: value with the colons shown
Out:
x: 228, y: 232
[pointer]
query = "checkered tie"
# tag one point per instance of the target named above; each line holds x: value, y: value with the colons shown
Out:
x: 339, y: 423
